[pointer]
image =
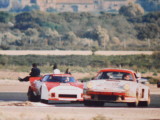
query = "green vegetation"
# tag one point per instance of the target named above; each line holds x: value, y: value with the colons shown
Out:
x: 141, y: 63
x: 132, y: 29
x: 4, y: 17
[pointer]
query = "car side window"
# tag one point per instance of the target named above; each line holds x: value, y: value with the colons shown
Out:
x: 45, y: 78
x: 99, y: 76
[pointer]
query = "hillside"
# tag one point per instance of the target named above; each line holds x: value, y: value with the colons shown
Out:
x: 80, y: 31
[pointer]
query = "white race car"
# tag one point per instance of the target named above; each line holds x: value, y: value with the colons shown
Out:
x: 57, y: 87
x: 116, y: 85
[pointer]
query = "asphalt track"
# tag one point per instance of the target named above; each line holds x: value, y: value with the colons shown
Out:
x: 21, y: 96
x: 76, y: 111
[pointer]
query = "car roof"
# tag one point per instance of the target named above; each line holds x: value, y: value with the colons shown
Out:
x: 116, y: 70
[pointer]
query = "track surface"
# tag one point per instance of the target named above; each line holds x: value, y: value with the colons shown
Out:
x: 71, y: 111
x: 17, y: 91
x: 15, y: 96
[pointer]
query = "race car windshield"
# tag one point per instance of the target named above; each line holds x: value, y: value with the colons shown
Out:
x: 60, y: 79
x: 115, y: 76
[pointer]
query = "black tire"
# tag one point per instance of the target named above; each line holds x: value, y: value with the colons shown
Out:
x: 143, y: 104
x: 99, y: 104
x: 93, y: 103
x: 31, y: 96
x: 134, y: 104
x: 44, y: 101
x: 88, y: 103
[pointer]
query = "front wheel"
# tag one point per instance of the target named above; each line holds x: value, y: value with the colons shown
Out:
x: 134, y: 104
x: 88, y: 103
x: 44, y: 101
x: 94, y: 103
x: 99, y: 103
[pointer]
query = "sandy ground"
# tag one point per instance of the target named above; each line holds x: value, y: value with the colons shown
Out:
x: 60, y: 52
x: 72, y: 113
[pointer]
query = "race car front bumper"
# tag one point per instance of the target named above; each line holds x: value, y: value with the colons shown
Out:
x: 108, y: 97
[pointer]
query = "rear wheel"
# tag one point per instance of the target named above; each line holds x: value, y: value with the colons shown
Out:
x: 31, y: 96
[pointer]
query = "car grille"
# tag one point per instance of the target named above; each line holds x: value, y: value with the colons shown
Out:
x: 67, y: 96
x: 105, y: 97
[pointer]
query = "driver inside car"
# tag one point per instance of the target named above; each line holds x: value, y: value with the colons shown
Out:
x: 126, y: 77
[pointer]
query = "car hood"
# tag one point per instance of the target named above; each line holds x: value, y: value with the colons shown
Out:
x: 51, y: 85
x: 110, y: 85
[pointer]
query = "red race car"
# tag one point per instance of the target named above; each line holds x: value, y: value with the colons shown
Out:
x: 57, y: 87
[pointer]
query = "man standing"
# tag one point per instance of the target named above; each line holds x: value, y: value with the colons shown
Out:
x: 55, y: 69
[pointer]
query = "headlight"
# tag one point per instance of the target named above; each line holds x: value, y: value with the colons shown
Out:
x: 89, y: 85
x: 126, y: 87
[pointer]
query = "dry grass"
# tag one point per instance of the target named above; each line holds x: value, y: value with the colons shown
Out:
x: 12, y: 75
